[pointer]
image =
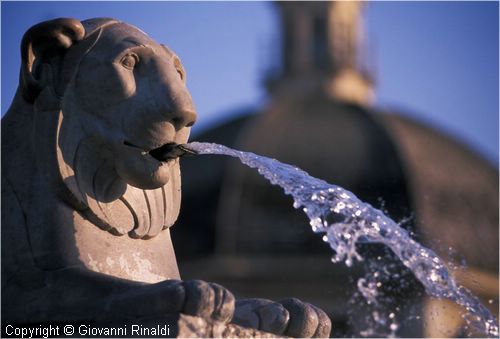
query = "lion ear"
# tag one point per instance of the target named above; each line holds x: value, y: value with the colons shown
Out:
x: 41, y: 43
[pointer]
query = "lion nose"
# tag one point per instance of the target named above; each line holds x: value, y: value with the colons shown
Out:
x: 184, y: 118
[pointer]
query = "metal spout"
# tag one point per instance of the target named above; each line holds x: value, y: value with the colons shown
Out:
x: 171, y: 151
x: 187, y: 151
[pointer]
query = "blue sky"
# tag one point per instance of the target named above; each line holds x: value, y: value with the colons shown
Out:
x: 434, y: 61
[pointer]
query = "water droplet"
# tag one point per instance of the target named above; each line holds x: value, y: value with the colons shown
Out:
x: 434, y: 276
x: 316, y: 224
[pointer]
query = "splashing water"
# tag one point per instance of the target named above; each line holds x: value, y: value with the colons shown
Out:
x: 344, y: 221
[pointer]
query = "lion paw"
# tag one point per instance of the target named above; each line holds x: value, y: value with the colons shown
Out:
x: 208, y: 300
x: 290, y: 317
x: 306, y: 320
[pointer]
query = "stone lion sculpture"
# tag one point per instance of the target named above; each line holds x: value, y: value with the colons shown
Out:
x: 86, y: 201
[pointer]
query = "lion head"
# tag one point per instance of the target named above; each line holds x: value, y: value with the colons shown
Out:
x: 115, y: 99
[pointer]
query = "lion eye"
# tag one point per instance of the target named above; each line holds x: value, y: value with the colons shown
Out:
x: 179, y: 69
x: 181, y: 75
x: 129, y: 61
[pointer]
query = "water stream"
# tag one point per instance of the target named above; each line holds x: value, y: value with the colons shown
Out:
x: 345, y: 221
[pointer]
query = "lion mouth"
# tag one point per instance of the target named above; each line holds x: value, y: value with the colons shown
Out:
x: 164, y: 153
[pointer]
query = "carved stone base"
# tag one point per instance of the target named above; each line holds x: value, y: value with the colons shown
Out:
x: 195, y: 327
